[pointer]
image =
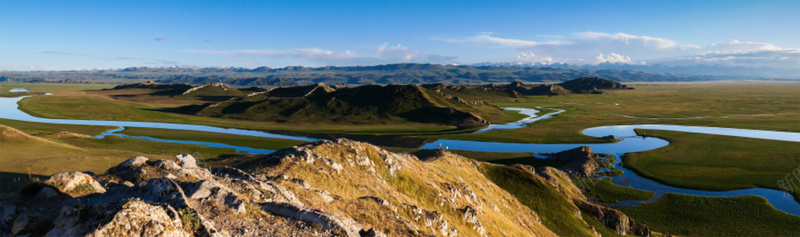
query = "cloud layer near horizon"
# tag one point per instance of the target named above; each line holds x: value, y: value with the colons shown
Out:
x: 383, y: 53
x: 595, y: 47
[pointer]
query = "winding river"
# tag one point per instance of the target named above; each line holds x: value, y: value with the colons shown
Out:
x: 630, y: 142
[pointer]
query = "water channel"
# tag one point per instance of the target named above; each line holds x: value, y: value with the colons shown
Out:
x: 629, y: 141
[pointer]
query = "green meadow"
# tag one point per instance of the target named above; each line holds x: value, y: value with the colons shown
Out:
x: 688, y: 215
x: 709, y: 162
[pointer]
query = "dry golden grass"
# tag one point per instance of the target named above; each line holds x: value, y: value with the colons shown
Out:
x: 417, y: 183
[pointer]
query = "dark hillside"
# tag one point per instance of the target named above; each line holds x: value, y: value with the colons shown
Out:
x: 591, y: 85
x: 357, y: 105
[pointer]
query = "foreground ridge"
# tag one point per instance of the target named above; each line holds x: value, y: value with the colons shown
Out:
x: 325, y: 188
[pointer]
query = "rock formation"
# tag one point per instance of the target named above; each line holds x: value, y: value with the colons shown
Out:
x: 323, y: 188
x: 579, y: 161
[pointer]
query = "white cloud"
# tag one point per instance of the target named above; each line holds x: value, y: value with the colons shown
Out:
x: 398, y: 52
x: 600, y: 47
x: 613, y: 58
x: 530, y: 58
x: 487, y: 38
x: 775, y: 58
x: 620, y: 38
x: 735, y: 45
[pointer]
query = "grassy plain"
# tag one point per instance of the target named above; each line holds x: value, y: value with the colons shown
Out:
x: 49, y: 150
x: 754, y: 105
x: 237, y: 140
x: 689, y: 215
x: 709, y: 162
x: 751, y: 105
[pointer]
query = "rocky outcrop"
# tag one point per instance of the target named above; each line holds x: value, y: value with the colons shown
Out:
x: 613, y: 219
x: 73, y: 181
x: 328, y: 220
x: 132, y: 217
x: 579, y: 161
x: 323, y: 188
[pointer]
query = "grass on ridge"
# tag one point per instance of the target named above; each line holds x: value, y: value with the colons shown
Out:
x: 555, y: 211
x: 608, y: 192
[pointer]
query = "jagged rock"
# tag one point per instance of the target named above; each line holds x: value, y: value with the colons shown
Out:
x: 391, y: 162
x: 324, y: 195
x: 185, y: 161
x: 371, y: 233
x: 470, y: 215
x: 133, y: 161
x: 280, y: 194
x: 133, y: 218
x: 301, y: 183
x: 45, y: 193
x: 326, y: 219
x: 613, y: 219
x: 7, y: 213
x: 68, y: 181
x: 167, y: 165
x: 580, y: 161
x: 380, y: 201
x: 208, y: 190
x: 230, y: 172
x: 20, y: 224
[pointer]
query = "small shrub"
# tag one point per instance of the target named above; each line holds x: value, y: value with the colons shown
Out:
x: 83, y: 189
x: 190, y: 220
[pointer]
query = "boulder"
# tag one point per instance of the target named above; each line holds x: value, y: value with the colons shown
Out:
x: 613, y: 219
x: 133, y: 161
x: 70, y: 180
x: 134, y: 218
x: 209, y: 190
x: 167, y: 165
x: 20, y: 224
x: 580, y: 161
x: 185, y: 161
x: 326, y: 219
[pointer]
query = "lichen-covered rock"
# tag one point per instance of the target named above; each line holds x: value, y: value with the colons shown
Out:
x: 326, y: 219
x: 133, y: 161
x: 185, y: 161
x: 133, y: 218
x: 167, y: 165
x: 209, y: 190
x: 68, y: 181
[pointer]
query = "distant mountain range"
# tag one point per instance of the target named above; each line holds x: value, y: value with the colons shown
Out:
x: 406, y: 73
x: 696, y: 70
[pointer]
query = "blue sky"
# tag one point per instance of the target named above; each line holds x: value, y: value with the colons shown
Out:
x: 66, y: 35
